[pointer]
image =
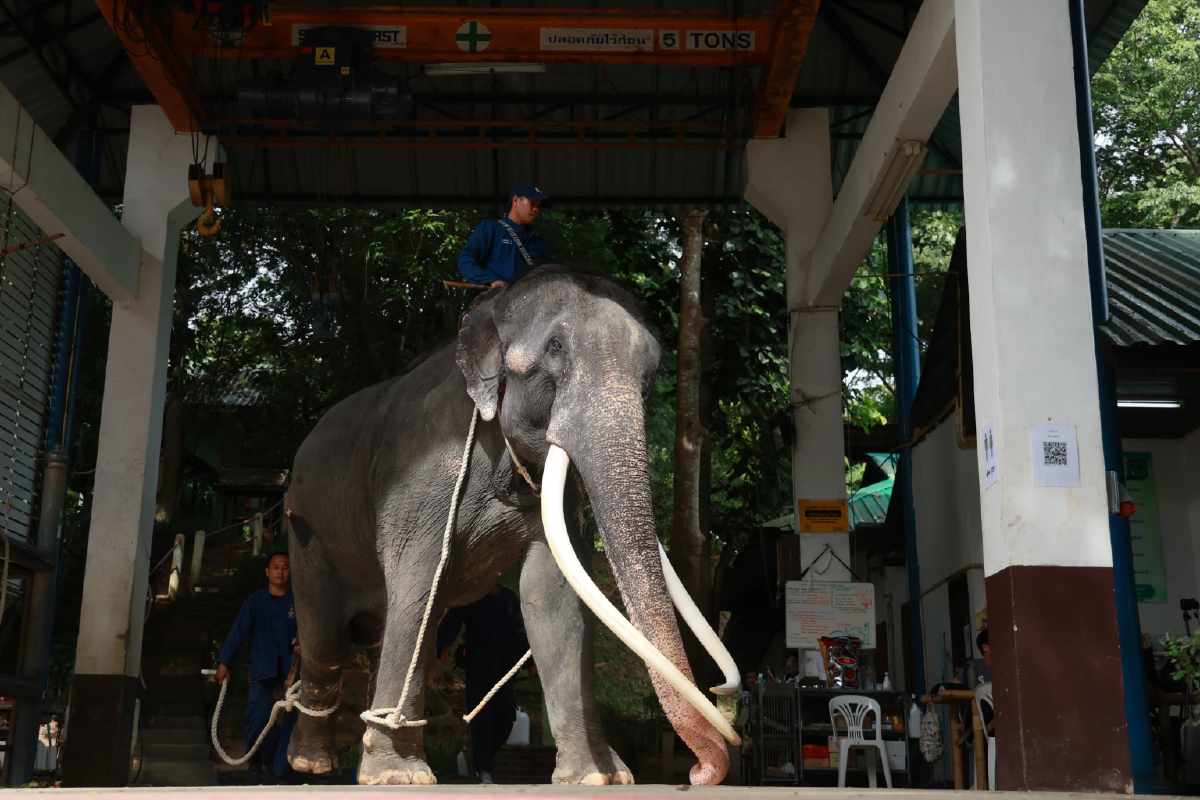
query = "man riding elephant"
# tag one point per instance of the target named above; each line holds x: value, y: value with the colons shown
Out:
x: 551, y: 375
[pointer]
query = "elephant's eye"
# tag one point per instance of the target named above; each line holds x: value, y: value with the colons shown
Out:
x: 554, y: 346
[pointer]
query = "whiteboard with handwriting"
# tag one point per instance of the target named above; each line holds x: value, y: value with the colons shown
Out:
x: 813, y: 610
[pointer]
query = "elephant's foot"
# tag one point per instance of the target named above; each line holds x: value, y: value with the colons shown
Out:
x: 583, y: 770
x: 310, y: 749
x: 393, y: 759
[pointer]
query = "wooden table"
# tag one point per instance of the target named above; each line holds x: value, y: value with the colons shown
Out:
x: 956, y: 698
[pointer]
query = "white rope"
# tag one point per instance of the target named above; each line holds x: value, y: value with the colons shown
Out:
x: 521, y: 467
x: 496, y: 688
x: 393, y: 717
x: 291, y: 700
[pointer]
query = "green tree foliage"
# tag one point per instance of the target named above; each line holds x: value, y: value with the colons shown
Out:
x: 254, y: 318
x: 1147, y: 110
x: 869, y: 391
x: 247, y: 325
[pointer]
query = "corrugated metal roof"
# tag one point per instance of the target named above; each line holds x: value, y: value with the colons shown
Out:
x: 1107, y: 23
x: 271, y: 480
x: 852, y: 51
x: 1153, y: 287
x: 237, y: 392
x: 869, y: 505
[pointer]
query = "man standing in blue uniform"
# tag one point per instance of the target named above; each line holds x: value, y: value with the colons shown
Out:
x: 501, y: 250
x: 268, y: 621
x: 495, y: 641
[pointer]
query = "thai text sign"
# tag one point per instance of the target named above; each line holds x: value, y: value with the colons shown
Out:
x: 1148, y: 571
x: 823, y: 516
x: 813, y: 610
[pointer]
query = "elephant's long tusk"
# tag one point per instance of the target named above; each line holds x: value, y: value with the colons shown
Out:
x: 554, y: 477
x: 699, y: 625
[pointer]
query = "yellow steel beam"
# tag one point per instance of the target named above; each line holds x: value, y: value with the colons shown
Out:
x: 165, y: 74
x: 794, y: 21
x: 520, y: 35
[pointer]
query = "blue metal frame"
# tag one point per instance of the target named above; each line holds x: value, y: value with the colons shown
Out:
x: 1137, y: 709
x: 906, y: 361
x: 67, y: 344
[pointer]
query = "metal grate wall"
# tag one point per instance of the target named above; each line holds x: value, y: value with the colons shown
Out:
x: 30, y: 282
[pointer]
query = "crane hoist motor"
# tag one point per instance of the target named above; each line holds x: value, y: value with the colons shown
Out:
x: 333, y: 82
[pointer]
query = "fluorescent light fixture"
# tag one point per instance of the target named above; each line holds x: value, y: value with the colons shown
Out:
x: 481, y: 68
x: 1141, y: 403
x: 894, y: 179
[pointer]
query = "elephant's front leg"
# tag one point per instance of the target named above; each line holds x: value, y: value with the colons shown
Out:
x: 561, y: 632
x: 397, y: 755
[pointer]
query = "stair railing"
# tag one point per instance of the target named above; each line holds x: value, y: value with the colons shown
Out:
x: 246, y: 535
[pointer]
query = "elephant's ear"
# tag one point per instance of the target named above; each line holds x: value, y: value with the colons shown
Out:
x: 480, y: 354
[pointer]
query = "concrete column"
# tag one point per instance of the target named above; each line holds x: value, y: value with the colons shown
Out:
x: 789, y: 181
x: 197, y: 559
x: 40, y: 622
x: 108, y: 655
x: 175, y: 579
x: 1047, y: 553
x: 258, y: 534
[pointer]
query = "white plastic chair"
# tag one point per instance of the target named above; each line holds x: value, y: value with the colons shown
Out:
x: 983, y: 695
x: 854, y: 709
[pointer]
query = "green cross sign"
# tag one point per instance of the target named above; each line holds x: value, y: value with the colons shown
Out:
x: 473, y: 37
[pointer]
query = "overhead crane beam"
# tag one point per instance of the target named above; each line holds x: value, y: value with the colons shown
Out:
x: 157, y: 60
x: 546, y: 36
x: 794, y: 21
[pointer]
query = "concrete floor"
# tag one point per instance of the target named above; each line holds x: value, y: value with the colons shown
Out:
x: 461, y: 792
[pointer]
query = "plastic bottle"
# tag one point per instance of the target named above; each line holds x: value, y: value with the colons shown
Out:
x: 914, y: 721
x: 520, y: 729
x: 887, y: 682
x: 869, y: 678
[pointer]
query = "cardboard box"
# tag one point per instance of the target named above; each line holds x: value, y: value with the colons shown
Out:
x: 816, y: 762
x: 835, y: 755
x: 897, y: 755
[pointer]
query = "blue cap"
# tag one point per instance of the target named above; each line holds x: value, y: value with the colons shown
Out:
x: 529, y: 190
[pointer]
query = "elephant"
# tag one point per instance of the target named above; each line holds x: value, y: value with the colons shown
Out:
x: 557, y: 368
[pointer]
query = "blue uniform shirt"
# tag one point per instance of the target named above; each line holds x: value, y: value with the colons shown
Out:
x: 490, y: 254
x: 269, y: 623
x: 496, y: 636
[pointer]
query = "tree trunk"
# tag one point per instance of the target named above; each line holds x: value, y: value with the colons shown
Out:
x: 707, y: 406
x: 689, y: 540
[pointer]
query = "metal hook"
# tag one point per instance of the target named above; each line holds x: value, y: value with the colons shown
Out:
x: 209, y: 216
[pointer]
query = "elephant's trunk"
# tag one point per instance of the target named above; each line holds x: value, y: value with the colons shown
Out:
x: 610, y: 454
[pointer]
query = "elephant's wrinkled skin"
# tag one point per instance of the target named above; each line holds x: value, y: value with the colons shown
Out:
x: 559, y: 358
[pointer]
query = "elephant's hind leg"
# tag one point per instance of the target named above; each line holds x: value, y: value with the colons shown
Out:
x: 561, y: 632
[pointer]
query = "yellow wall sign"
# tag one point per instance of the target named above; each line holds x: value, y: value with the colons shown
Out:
x: 325, y: 56
x: 823, y: 516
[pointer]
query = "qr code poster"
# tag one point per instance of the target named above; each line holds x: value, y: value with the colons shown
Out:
x: 1055, y: 453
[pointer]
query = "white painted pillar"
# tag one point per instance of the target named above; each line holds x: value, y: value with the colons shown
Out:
x: 197, y: 559
x: 175, y: 579
x: 789, y: 181
x: 108, y: 654
x: 258, y: 533
x: 1047, y: 552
